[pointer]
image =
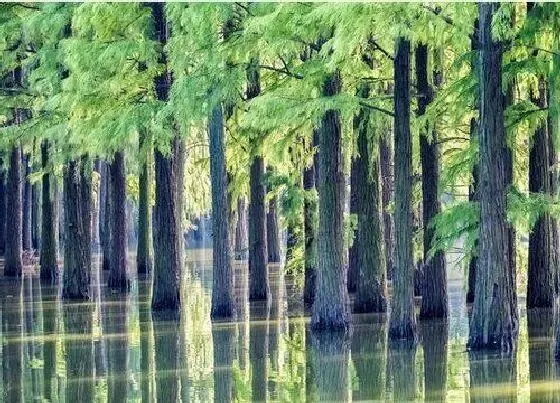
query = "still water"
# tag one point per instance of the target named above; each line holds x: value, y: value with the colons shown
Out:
x: 113, y: 349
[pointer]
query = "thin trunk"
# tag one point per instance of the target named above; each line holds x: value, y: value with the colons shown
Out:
x: 330, y: 308
x: 241, y: 230
x: 309, y: 224
x: 403, y: 320
x: 434, y: 284
x: 386, y: 167
x: 494, y: 322
x: 371, y: 295
x: 167, y: 241
x: 540, y: 278
x: 95, y: 207
x: 118, y: 274
x: 13, y: 265
x: 3, y: 215
x: 106, y: 221
x: 26, y: 217
x: 47, y: 259
x: 77, y: 245
x: 36, y: 212
x: 272, y: 233
x: 222, y: 285
x: 353, y: 265
x: 143, y: 255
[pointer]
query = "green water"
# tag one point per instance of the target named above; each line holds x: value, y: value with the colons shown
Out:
x: 113, y: 349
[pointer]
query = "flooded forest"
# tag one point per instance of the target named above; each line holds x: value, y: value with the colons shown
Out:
x: 280, y: 202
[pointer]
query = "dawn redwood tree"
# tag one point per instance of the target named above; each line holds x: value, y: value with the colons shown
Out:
x: 241, y: 230
x: 434, y: 279
x: 330, y: 309
x: 352, y: 251
x: 77, y: 231
x: 36, y: 215
x: 541, y: 268
x: 167, y: 241
x: 494, y: 321
x: 386, y: 169
x: 258, y: 268
x: 13, y: 264
x: 105, y: 216
x: 371, y: 286
x: 2, y: 204
x: 143, y: 255
x: 309, y: 224
x: 272, y: 234
x: 118, y: 273
x: 27, y: 205
x: 402, y: 324
x: 47, y: 257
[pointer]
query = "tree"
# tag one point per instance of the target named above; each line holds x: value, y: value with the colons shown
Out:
x: 494, y: 321
x: 3, y: 213
x: 402, y: 324
x: 27, y: 205
x: 13, y: 265
x: 47, y: 257
x: 143, y: 254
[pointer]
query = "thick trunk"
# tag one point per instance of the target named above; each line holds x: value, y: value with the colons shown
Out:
x: 272, y: 233
x: 403, y: 320
x: 330, y: 308
x: 143, y: 255
x: 13, y: 265
x: 353, y: 250
x: 371, y: 295
x: 473, y: 197
x: 118, y: 273
x: 258, y: 269
x: 434, y: 284
x: 3, y: 215
x: 494, y: 321
x: 222, y: 285
x: 540, y: 281
x: 167, y: 241
x: 27, y: 205
x: 309, y: 225
x: 77, y: 231
x: 47, y: 258
x: 241, y: 231
x: 386, y: 166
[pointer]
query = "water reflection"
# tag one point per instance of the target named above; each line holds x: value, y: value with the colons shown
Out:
x: 113, y: 349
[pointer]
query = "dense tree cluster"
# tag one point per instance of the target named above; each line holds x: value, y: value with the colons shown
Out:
x: 376, y: 136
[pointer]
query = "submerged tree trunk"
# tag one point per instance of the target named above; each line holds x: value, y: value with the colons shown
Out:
x: 241, y: 230
x: 166, y: 239
x: 27, y: 205
x: 77, y: 231
x: 222, y: 285
x: 143, y: 255
x: 540, y: 281
x: 309, y: 224
x: 353, y: 251
x: 330, y: 308
x: 494, y: 321
x: 13, y: 265
x: 371, y: 295
x: 434, y: 284
x: 402, y: 324
x: 118, y: 273
x: 47, y: 259
x: 3, y: 215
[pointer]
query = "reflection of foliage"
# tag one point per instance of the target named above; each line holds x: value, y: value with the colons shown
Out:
x: 242, y: 384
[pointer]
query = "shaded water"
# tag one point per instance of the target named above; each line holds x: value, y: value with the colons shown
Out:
x: 113, y: 349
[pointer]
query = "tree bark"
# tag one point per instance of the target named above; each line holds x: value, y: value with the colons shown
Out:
x: 402, y: 324
x: 272, y: 237
x: 352, y: 251
x: 3, y: 215
x: 47, y: 258
x: 13, y: 265
x: 309, y: 225
x: 105, y: 211
x: 371, y: 285
x: 77, y: 232
x: 330, y: 308
x: 118, y: 273
x: 222, y: 286
x: 494, y: 322
x: 241, y: 230
x: 95, y: 207
x: 386, y: 158
x: 36, y: 212
x: 27, y: 205
x: 143, y: 255
x: 434, y: 284
x: 540, y: 281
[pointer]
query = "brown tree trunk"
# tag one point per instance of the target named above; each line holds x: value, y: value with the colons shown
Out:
x: 272, y: 232
x: 3, y: 215
x: 47, y: 258
x: 494, y: 322
x: 330, y: 308
x: 27, y: 205
x: 386, y: 167
x: 353, y: 251
x: 309, y: 224
x: 402, y: 324
x: 13, y: 265
x: 105, y: 216
x: 143, y: 253
x: 241, y: 230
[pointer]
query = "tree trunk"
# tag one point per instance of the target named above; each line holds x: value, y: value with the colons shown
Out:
x: 386, y: 158
x: 3, y: 215
x: 371, y: 295
x: 494, y: 321
x: 105, y: 216
x: 118, y: 274
x: 473, y: 197
x: 241, y: 231
x: 309, y: 225
x: 47, y: 258
x: 95, y: 240
x: 77, y: 219
x: 352, y: 251
x: 36, y: 212
x: 272, y: 233
x: 26, y: 214
x: 13, y: 265
x: 540, y: 281
x: 330, y: 308
x: 167, y: 241
x: 403, y: 321
x: 434, y: 284
x: 143, y: 255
